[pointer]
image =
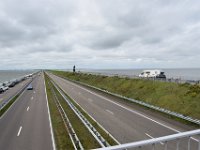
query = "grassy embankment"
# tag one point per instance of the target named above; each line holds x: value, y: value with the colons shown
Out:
x: 61, y: 136
x: 182, y: 98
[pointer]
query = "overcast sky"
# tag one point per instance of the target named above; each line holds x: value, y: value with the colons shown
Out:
x: 99, y: 34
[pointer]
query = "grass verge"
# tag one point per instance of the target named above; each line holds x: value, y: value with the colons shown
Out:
x: 181, y: 98
x: 85, y: 137
x: 61, y: 136
x: 105, y: 135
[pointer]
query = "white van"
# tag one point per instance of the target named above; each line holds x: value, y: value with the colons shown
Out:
x: 152, y: 74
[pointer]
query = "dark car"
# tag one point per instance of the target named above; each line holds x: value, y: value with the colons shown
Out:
x: 11, y: 84
x: 1, y: 90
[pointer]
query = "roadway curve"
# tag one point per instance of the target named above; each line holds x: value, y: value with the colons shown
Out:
x: 126, y: 122
x: 26, y: 126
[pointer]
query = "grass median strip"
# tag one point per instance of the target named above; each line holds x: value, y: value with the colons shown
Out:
x: 103, y: 133
x: 61, y: 136
x: 86, y: 138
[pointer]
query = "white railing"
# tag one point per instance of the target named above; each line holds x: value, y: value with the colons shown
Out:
x: 165, y: 140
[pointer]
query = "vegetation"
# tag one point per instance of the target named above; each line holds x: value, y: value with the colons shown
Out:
x: 61, y: 136
x: 182, y: 98
x: 105, y: 135
x: 85, y: 137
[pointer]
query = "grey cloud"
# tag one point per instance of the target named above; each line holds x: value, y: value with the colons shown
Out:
x: 127, y: 32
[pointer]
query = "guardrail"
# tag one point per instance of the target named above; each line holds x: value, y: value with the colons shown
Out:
x: 177, y: 79
x: 165, y: 140
x: 88, y: 125
x: 72, y: 134
x: 5, y: 102
x: 168, y: 112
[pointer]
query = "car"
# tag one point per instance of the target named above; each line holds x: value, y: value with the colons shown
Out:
x: 30, y: 87
x: 1, y: 90
x: 11, y: 84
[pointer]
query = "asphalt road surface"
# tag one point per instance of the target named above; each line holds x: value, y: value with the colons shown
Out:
x: 12, y: 91
x: 126, y: 122
x: 26, y: 126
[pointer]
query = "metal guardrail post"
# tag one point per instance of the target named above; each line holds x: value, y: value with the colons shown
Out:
x: 177, y: 144
x: 189, y: 143
x: 165, y: 144
x: 199, y: 144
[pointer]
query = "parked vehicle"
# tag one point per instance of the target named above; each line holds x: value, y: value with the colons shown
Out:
x: 11, y: 84
x: 1, y: 90
x: 152, y: 74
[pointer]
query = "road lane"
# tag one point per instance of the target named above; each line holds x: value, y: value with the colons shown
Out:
x: 12, y: 91
x: 127, y: 124
x: 29, y: 120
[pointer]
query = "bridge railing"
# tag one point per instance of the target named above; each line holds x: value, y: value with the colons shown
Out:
x: 165, y: 140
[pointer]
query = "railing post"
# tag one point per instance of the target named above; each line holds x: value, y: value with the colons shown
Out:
x: 165, y: 146
x: 199, y: 144
x: 177, y: 144
x: 189, y: 143
x: 153, y: 146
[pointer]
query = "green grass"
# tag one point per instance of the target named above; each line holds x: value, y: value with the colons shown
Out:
x: 106, y: 136
x: 8, y: 105
x: 182, y: 98
x: 62, y: 139
x: 85, y: 137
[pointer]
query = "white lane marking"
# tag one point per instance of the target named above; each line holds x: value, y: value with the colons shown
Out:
x: 20, y: 129
x: 27, y: 108
x: 110, y: 112
x: 89, y: 99
x: 50, y: 123
x: 153, y: 138
x: 135, y: 112
x: 34, y: 92
x: 32, y: 98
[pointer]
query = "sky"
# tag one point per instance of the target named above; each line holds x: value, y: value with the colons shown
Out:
x: 99, y: 34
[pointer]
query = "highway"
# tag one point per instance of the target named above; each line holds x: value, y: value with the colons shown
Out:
x: 126, y: 122
x: 26, y: 125
x: 12, y: 91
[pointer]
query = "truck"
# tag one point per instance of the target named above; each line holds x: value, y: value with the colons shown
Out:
x: 152, y: 74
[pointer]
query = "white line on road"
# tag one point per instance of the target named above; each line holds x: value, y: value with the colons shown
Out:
x: 50, y: 123
x: 130, y: 110
x: 32, y: 98
x: 110, y: 112
x: 27, y: 108
x: 20, y: 129
x: 153, y: 138
x: 34, y: 92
